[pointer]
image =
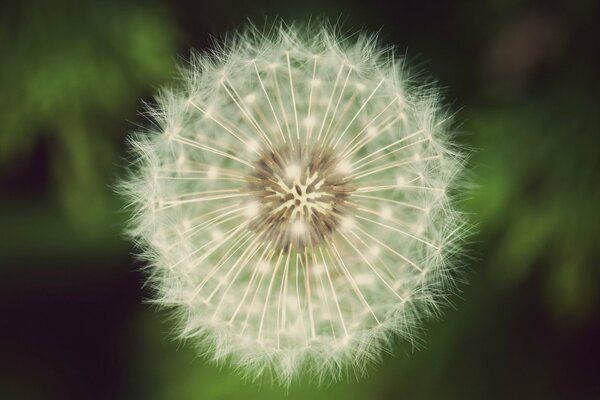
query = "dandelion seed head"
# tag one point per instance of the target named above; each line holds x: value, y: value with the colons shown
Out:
x: 293, y: 201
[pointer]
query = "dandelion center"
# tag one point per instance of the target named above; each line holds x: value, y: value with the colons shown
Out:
x: 302, y: 193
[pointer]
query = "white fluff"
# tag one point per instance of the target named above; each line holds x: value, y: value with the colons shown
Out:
x: 322, y: 311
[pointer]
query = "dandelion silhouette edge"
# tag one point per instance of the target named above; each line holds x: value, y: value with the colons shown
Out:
x: 293, y: 201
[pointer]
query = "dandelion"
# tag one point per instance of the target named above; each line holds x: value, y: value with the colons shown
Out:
x: 294, y: 202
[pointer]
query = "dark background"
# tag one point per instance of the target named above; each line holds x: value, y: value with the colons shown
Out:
x: 522, y: 78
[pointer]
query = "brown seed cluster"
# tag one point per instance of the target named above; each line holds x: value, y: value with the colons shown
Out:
x: 301, y: 194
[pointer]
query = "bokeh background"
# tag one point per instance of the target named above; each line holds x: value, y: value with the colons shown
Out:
x: 522, y: 78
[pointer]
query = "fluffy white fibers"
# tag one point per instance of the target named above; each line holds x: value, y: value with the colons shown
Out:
x: 293, y: 201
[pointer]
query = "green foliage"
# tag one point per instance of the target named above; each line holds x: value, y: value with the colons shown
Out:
x: 536, y: 204
x: 69, y: 72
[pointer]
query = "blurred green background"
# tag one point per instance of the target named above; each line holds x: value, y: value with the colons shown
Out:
x: 522, y: 78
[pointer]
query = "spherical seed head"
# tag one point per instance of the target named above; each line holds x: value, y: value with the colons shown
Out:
x: 293, y: 202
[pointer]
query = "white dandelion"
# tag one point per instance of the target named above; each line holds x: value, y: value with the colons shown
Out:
x: 293, y: 202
